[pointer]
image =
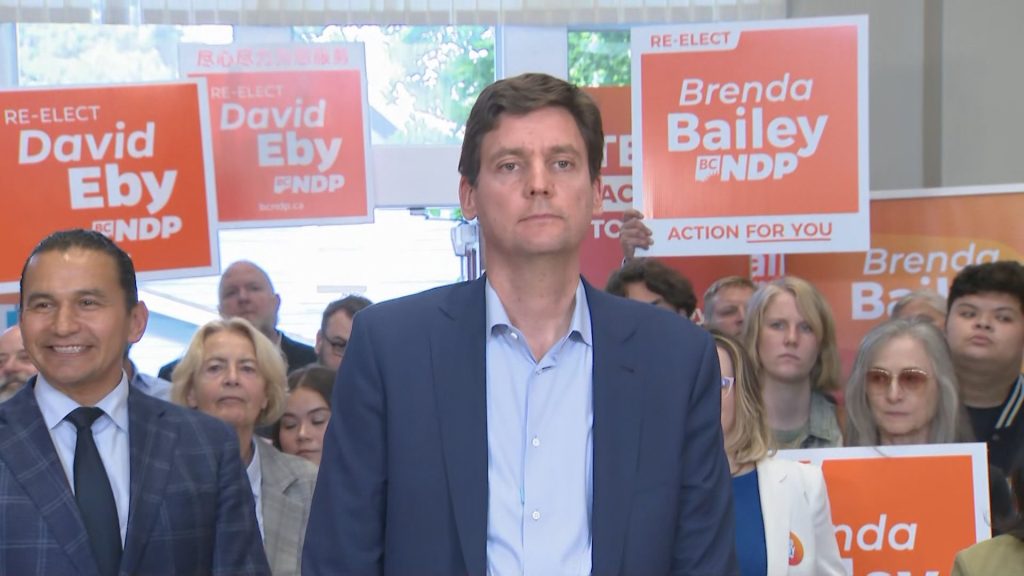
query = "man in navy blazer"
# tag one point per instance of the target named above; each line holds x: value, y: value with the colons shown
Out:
x: 525, y: 422
x: 184, y: 505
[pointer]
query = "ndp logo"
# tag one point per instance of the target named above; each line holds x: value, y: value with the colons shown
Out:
x: 743, y: 167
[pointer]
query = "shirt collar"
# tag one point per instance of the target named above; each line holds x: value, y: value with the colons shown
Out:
x: 253, y: 470
x: 55, y: 405
x: 579, y: 323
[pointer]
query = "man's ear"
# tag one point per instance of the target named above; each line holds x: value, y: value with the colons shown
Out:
x: 138, y: 317
x: 598, y: 207
x: 467, y: 198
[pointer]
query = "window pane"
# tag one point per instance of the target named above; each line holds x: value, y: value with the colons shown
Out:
x: 599, y: 57
x: 396, y: 255
x: 55, y: 54
x: 422, y: 80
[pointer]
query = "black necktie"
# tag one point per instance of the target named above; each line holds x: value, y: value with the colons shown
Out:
x: 95, y: 498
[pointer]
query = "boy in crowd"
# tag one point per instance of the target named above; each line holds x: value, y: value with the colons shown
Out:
x: 985, y: 331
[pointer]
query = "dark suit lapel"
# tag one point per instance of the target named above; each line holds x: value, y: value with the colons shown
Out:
x: 457, y: 352
x: 151, y: 439
x: 618, y: 411
x: 28, y: 451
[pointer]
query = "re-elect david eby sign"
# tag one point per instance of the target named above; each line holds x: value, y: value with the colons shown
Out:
x: 751, y: 138
x: 290, y: 132
x: 129, y: 161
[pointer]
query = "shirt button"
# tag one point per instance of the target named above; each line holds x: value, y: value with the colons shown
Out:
x: 514, y: 335
x: 535, y: 442
x: 535, y: 515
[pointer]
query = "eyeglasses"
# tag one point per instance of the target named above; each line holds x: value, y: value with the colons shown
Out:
x: 909, y: 379
x: 727, y: 384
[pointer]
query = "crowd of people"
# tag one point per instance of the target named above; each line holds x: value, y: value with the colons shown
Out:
x: 923, y: 376
x: 523, y: 422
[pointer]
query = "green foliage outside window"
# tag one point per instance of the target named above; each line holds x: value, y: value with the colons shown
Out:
x: 599, y: 58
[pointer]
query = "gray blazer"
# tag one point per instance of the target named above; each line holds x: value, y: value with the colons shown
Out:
x: 286, y: 495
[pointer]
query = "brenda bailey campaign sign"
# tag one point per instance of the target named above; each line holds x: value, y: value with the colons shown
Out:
x: 920, y: 240
x: 752, y: 137
x: 601, y: 254
x: 904, y: 510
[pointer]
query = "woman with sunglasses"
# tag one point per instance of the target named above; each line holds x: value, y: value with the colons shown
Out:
x: 783, y: 520
x: 903, y: 388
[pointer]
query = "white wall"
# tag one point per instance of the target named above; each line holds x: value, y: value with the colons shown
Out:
x: 895, y: 80
x: 983, y: 92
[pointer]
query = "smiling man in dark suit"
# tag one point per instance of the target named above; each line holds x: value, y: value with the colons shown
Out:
x: 95, y: 476
x: 525, y: 423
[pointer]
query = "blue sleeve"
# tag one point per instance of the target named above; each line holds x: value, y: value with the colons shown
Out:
x: 345, y: 534
x: 705, y: 538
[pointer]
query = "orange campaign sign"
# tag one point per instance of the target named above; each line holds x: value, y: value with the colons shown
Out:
x: 131, y: 161
x: 752, y: 137
x: 601, y: 253
x: 920, y: 239
x: 904, y: 510
x: 290, y: 132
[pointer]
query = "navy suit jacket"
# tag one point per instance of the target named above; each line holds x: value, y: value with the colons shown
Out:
x: 403, y: 479
x: 190, y: 512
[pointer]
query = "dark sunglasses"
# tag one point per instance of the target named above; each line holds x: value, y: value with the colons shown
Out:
x: 909, y: 379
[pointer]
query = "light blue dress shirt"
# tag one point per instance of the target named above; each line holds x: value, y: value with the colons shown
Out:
x: 152, y: 385
x: 540, y: 420
x: 110, y: 432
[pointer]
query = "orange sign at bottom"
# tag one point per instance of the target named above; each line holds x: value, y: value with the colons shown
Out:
x: 904, y: 510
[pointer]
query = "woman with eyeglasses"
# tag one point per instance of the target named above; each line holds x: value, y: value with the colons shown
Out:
x: 783, y: 519
x: 903, y: 389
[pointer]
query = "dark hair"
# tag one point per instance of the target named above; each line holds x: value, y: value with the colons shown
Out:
x: 521, y: 95
x: 1004, y: 276
x: 350, y: 304
x: 65, y: 240
x: 659, y: 278
x: 1017, y: 481
x: 318, y: 378
x: 315, y: 377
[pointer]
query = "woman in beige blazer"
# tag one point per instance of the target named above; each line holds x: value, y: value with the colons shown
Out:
x: 1002, y: 555
x: 233, y: 372
x: 783, y: 521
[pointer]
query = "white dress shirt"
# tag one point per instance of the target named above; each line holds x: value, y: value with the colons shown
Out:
x: 109, y: 431
x: 255, y: 474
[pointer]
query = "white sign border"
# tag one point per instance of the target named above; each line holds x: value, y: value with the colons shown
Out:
x: 977, y: 451
x: 855, y: 228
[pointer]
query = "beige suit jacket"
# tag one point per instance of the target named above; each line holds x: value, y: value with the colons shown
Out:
x: 999, y: 556
x: 286, y: 494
